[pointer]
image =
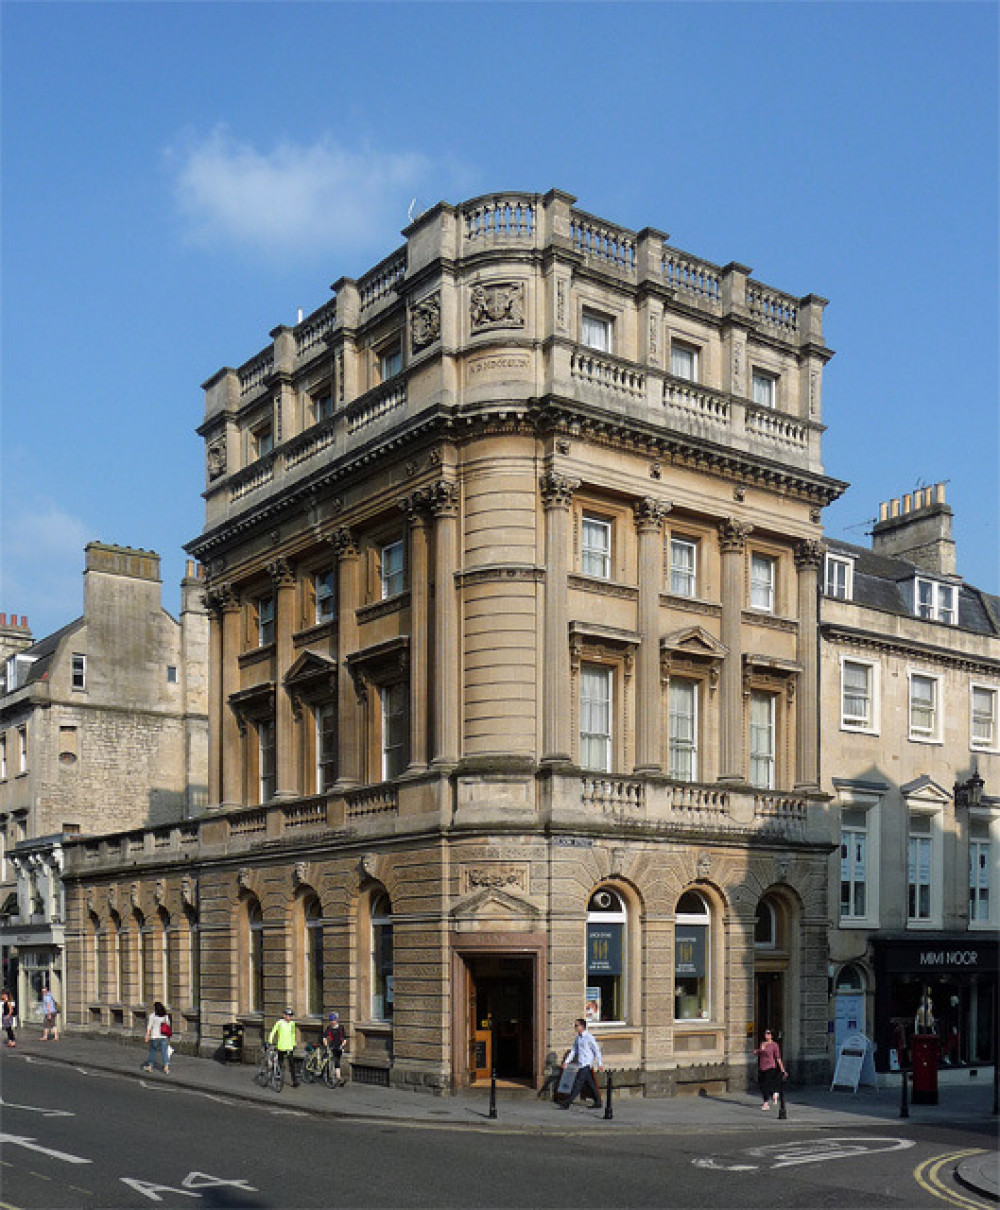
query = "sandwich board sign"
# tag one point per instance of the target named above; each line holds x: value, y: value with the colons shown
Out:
x: 855, y: 1063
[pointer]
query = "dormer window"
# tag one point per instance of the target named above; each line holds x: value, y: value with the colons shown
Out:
x: 839, y: 578
x: 936, y: 602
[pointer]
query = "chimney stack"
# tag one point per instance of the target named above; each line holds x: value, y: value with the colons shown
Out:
x: 919, y: 530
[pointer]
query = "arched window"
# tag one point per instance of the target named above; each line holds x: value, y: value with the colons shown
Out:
x: 313, y: 918
x: 692, y: 958
x: 255, y: 957
x: 606, y: 919
x: 95, y: 955
x: 381, y: 948
x: 140, y: 942
x: 117, y: 960
x: 765, y: 929
x: 194, y: 956
x: 850, y: 980
x: 166, y: 973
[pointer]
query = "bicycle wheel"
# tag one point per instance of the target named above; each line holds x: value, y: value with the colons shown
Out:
x: 262, y: 1074
x: 277, y: 1078
x: 311, y: 1070
x: 328, y: 1077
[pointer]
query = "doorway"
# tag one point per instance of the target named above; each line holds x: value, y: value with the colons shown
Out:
x: 769, y: 996
x: 500, y: 998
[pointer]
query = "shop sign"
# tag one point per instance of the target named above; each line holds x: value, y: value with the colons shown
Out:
x: 689, y: 950
x: 949, y: 958
x: 604, y: 949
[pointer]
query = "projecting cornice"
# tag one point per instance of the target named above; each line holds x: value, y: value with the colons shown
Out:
x: 894, y: 645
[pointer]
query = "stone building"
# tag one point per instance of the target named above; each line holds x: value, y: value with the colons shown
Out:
x: 911, y: 759
x: 512, y: 555
x: 103, y: 726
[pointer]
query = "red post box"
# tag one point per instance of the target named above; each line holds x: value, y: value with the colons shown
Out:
x: 926, y: 1052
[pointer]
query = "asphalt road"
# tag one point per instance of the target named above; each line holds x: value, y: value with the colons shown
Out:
x: 75, y: 1138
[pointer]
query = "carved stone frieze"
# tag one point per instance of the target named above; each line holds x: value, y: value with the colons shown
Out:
x: 425, y: 322
x: 215, y: 457
x: 494, y: 877
x: 497, y: 305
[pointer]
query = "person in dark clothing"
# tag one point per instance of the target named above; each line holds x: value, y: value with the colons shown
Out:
x: 335, y: 1037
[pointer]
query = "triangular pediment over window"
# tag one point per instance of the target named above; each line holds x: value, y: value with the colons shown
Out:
x: 924, y: 789
x: 309, y: 668
x: 694, y: 642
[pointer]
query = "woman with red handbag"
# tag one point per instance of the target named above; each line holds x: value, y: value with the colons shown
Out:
x: 158, y: 1035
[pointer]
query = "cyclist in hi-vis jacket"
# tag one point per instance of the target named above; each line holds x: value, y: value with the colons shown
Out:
x: 283, y: 1037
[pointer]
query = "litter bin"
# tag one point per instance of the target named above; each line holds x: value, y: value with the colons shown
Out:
x: 232, y: 1042
x: 926, y: 1052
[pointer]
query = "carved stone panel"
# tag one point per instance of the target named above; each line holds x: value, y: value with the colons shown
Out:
x: 494, y: 876
x: 425, y: 322
x: 498, y: 305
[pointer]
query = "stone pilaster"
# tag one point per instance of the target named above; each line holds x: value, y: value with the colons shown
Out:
x: 808, y: 559
x: 557, y: 494
x: 231, y: 746
x: 349, y: 728
x: 287, y: 772
x: 649, y: 514
x: 419, y: 522
x: 732, y: 544
x: 216, y: 702
x: 442, y: 500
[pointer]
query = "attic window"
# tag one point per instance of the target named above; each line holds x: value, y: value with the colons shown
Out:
x: 839, y: 577
x: 935, y: 601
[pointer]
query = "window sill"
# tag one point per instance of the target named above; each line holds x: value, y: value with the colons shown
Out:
x: 854, y: 729
x: 933, y: 740
x: 923, y: 926
x: 857, y: 922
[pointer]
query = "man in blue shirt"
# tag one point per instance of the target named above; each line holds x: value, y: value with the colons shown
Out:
x: 587, y: 1054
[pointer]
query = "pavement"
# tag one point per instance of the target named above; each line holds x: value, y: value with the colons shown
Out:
x: 964, y: 1101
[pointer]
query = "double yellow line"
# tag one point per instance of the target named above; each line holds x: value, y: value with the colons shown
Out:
x: 928, y: 1176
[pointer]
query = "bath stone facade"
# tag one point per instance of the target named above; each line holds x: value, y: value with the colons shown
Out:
x: 511, y: 553
x: 103, y: 726
x: 910, y: 669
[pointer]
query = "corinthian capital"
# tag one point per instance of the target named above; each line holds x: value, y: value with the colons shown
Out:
x: 809, y: 553
x: 733, y: 534
x: 281, y: 573
x: 557, y: 490
x: 649, y: 513
x: 344, y: 543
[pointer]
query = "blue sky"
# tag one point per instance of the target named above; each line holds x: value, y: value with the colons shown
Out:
x: 179, y: 178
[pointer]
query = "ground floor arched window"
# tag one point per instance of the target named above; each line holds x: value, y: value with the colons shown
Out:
x: 692, y: 958
x: 606, y: 956
x: 382, y: 957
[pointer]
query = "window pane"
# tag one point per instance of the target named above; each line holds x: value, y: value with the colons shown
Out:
x: 683, y: 730
x: 323, y: 589
x: 682, y: 568
x: 595, y: 718
x: 763, y: 390
x: 596, y: 548
x: 393, y: 573
x: 683, y: 362
x: 923, y: 705
x: 762, y: 740
x: 595, y: 332
x: 857, y: 693
x: 762, y: 582
x: 690, y: 971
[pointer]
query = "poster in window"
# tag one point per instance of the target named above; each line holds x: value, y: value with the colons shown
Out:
x: 592, y: 1008
x: 689, y: 950
x: 604, y: 949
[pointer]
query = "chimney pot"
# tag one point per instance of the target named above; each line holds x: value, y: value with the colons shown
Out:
x: 939, y: 490
x: 894, y: 507
x: 907, y: 503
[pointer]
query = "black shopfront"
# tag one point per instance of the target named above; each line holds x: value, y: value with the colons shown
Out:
x: 944, y: 984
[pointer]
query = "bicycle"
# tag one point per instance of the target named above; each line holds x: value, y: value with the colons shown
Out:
x: 269, y: 1072
x: 319, y: 1066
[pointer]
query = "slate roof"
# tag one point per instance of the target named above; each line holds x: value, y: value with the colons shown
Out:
x: 878, y: 580
x: 43, y: 652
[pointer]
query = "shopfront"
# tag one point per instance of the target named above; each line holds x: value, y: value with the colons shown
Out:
x: 940, y: 984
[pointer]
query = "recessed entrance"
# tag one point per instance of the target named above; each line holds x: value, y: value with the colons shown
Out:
x: 500, y: 997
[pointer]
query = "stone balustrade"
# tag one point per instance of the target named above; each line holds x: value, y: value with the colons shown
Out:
x: 376, y: 404
x: 596, y: 369
x: 379, y: 284
x: 254, y: 373
x: 776, y: 426
x: 690, y: 277
x: 506, y: 217
x: 603, y: 242
x: 382, y: 799
x: 613, y: 794
x: 771, y: 307
x: 694, y: 400
x: 312, y: 331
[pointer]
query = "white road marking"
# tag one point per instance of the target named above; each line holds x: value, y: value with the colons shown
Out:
x: 18, y: 1140
x: 46, y: 1113
x: 806, y: 1151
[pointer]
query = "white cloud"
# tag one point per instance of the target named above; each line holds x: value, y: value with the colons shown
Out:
x: 42, y: 565
x: 293, y: 197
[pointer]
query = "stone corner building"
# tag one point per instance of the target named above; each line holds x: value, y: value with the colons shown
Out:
x: 512, y: 553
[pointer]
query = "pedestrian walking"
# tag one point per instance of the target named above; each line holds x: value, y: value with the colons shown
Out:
x: 586, y: 1054
x: 769, y: 1065
x: 50, y: 1016
x: 159, y: 1031
x: 9, y: 1016
x: 335, y: 1037
x: 284, y: 1037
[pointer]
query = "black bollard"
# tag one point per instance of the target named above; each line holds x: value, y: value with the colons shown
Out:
x: 782, y: 1111
x: 904, y: 1105
x: 493, y: 1093
x: 609, y: 1113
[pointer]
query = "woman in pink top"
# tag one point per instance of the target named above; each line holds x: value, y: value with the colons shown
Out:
x: 769, y: 1064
